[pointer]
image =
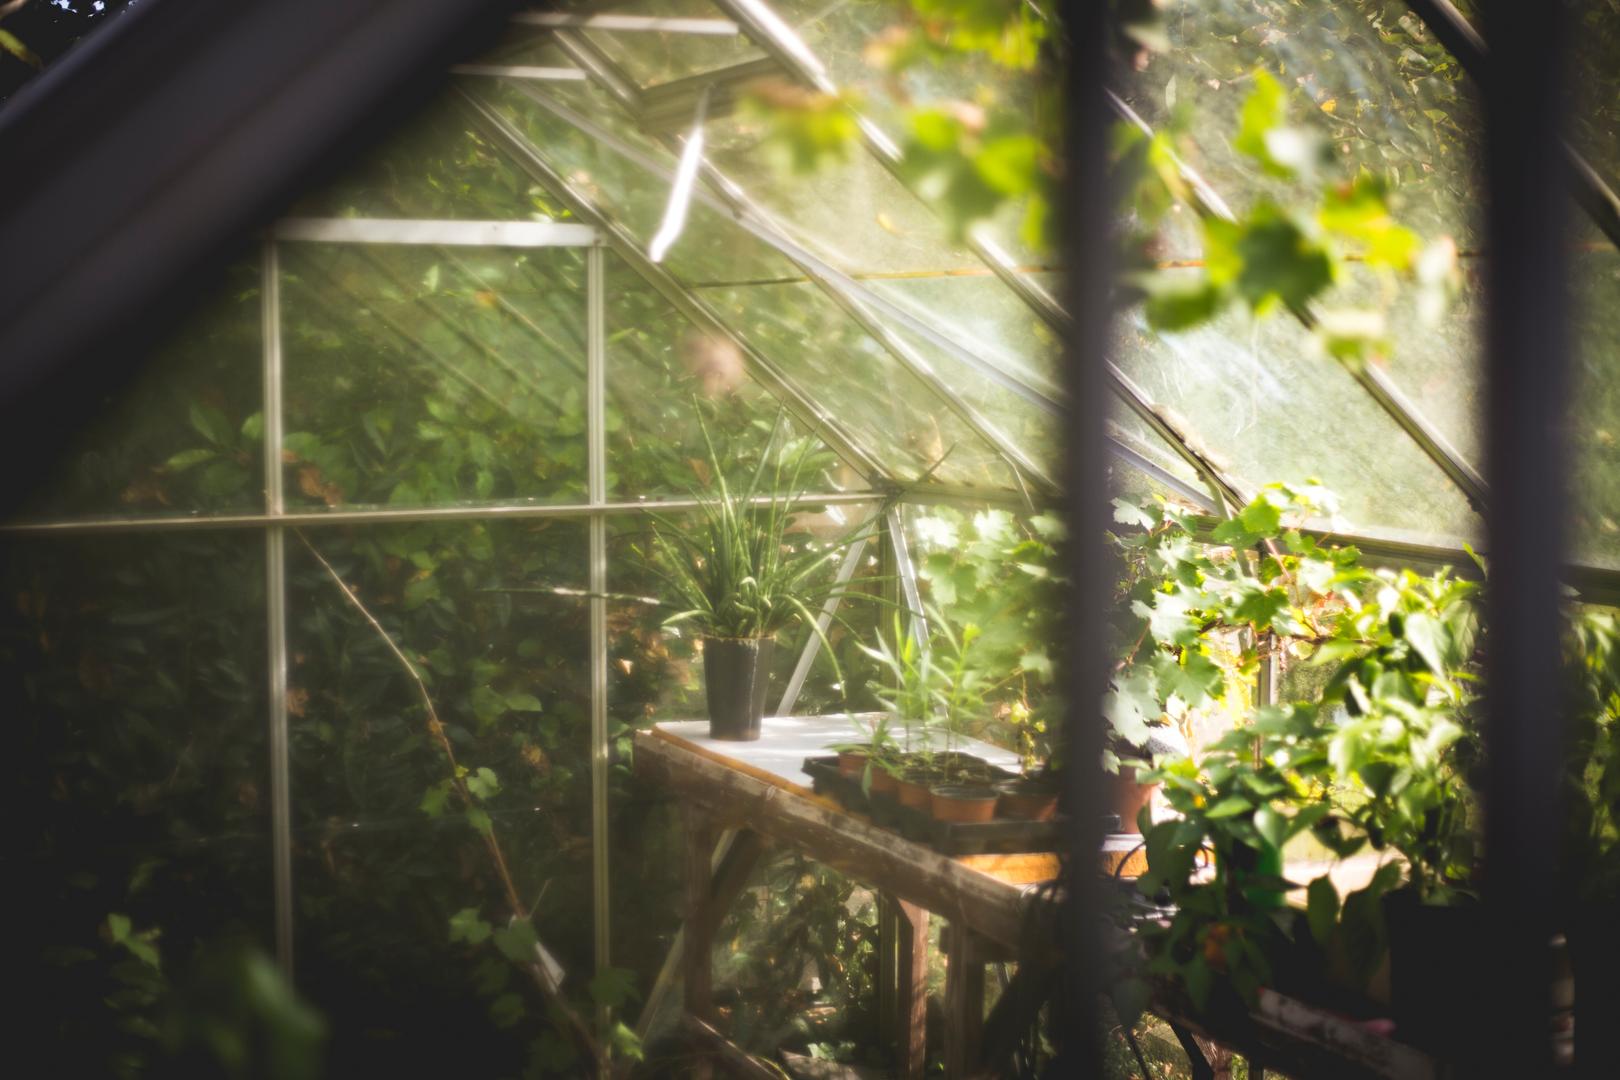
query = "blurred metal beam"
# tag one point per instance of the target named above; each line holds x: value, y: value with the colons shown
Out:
x: 829, y: 609
x: 801, y: 405
x: 1453, y: 30
x: 1527, y: 357
x: 520, y: 71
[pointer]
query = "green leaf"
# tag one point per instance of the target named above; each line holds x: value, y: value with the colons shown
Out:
x: 13, y: 45
x: 185, y: 459
x: 507, y: 1010
x: 1230, y: 806
x: 613, y: 986
x: 479, y: 819
x: 467, y: 925
x: 1321, y: 908
x: 434, y: 800
x: 1271, y: 825
x: 521, y: 701
x: 1429, y: 639
x: 517, y: 942
x: 483, y: 783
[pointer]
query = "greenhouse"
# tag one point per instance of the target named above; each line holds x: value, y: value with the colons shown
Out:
x: 569, y: 541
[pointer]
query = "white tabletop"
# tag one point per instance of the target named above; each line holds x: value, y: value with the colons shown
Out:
x: 785, y: 741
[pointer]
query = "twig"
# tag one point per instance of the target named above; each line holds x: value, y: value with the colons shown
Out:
x: 551, y: 991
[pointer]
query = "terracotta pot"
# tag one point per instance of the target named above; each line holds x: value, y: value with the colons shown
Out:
x: 1126, y: 797
x: 884, y: 782
x: 735, y: 674
x: 1027, y: 800
x: 962, y: 803
x: 912, y: 791
x: 851, y: 763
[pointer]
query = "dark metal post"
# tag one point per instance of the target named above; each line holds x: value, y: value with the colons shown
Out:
x: 1527, y: 345
x: 1086, y: 211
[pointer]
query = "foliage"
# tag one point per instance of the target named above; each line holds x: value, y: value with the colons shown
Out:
x: 1591, y: 788
x: 1381, y: 756
x: 735, y: 576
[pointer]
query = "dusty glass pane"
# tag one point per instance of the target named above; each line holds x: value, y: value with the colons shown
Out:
x: 982, y: 314
x: 1364, y: 74
x: 385, y: 852
x: 132, y: 680
x: 1266, y: 406
x: 183, y: 436
x: 710, y: 248
x: 1595, y: 422
x: 421, y: 376
x: 652, y: 57
x: 887, y: 407
x: 666, y: 381
x: 854, y: 213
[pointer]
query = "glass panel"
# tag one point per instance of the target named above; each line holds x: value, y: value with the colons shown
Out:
x: 184, y: 434
x: 710, y: 248
x: 656, y: 57
x: 1266, y: 407
x: 132, y: 680
x: 1595, y: 115
x: 860, y: 383
x: 663, y: 374
x: 437, y: 165
x: 886, y: 407
x: 1595, y: 430
x: 419, y: 376
x: 492, y: 616
x: 854, y: 214
x: 1390, y: 98
x: 984, y: 315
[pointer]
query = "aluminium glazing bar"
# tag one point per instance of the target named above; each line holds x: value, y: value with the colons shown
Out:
x: 848, y: 294
x: 1370, y: 378
x: 812, y: 647
x: 275, y: 596
x: 520, y: 71
x: 616, y: 23
x: 399, y: 516
x: 801, y: 405
x: 770, y: 33
x: 596, y: 488
x: 483, y: 234
x: 906, y: 570
x: 729, y: 199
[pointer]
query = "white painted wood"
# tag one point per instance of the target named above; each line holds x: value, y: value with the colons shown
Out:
x: 785, y: 741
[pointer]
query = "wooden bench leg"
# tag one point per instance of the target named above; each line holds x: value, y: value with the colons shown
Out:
x: 912, y: 997
x: 964, y: 1002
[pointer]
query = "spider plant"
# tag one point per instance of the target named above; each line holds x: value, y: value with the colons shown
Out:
x: 733, y: 574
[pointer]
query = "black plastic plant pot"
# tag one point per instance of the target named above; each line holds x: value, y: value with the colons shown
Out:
x: 735, y: 674
x: 1437, y: 963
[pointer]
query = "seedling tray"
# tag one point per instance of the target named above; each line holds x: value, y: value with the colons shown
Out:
x: 1002, y: 836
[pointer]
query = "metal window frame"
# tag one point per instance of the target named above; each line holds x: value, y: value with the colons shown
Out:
x: 633, y: 24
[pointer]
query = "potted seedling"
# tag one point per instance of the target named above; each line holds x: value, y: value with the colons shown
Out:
x: 1033, y: 796
x: 964, y: 792
x: 738, y: 577
x: 908, y: 702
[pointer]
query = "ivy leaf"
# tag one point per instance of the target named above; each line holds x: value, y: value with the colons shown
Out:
x: 517, y: 942
x: 1259, y: 607
x: 479, y: 819
x: 1128, y: 513
x: 435, y: 799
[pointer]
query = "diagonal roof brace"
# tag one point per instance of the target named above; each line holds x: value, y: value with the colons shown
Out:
x: 800, y: 404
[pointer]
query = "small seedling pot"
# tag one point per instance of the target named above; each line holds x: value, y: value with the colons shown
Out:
x: 1027, y: 800
x: 963, y: 803
x: 735, y: 674
x: 884, y: 782
x: 912, y: 790
x: 1127, y: 797
x: 851, y: 763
